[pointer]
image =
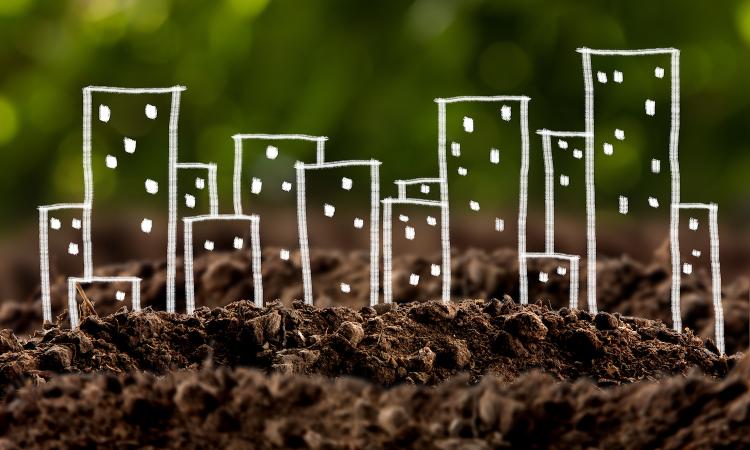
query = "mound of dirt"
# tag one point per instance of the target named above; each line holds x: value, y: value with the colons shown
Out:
x: 625, y: 286
x: 421, y: 343
x: 239, y: 409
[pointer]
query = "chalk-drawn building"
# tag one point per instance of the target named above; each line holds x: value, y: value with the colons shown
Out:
x: 411, y: 237
x: 483, y: 138
x: 419, y: 188
x: 564, y: 190
x: 130, y: 145
x: 698, y: 252
x: 223, y: 233
x: 630, y: 94
x: 265, y: 185
x: 61, y: 254
x: 326, y: 195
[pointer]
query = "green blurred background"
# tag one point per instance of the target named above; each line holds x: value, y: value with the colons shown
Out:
x: 363, y: 73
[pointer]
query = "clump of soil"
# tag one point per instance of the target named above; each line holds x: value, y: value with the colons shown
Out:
x: 420, y: 343
x: 625, y: 286
x: 238, y: 409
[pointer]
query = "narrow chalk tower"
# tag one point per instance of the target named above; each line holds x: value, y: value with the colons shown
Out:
x: 130, y: 145
x: 698, y: 252
x: 565, y: 189
x: 197, y: 195
x: 61, y: 252
x: 197, y: 189
x: 632, y: 122
x: 336, y: 200
x: 485, y: 136
x: 265, y: 185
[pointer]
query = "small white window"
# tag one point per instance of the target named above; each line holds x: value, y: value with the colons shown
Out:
x: 495, y: 156
x: 505, y: 113
x: 146, y: 225
x: 151, y: 111
x: 104, y: 113
x: 256, y: 186
x: 623, y: 204
x: 152, y: 187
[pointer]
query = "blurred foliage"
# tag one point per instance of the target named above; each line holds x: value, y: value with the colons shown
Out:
x: 363, y: 73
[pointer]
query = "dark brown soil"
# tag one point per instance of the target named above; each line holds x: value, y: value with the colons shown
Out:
x: 501, y: 375
x: 244, y: 409
x: 626, y: 286
x: 422, y: 343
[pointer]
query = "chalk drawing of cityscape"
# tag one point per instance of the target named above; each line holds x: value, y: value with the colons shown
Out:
x: 425, y: 210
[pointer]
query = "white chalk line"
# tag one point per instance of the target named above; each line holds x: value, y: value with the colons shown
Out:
x: 523, y: 197
x: 590, y: 192
x: 555, y: 133
x: 335, y: 164
x: 627, y: 52
x: 374, y: 232
x: 304, y: 248
x: 445, y: 241
x: 411, y: 181
x: 387, y: 251
x: 279, y: 137
x: 413, y: 201
x: 401, y: 188
x: 549, y: 194
x: 674, y: 165
x: 485, y: 99
x: 174, y: 115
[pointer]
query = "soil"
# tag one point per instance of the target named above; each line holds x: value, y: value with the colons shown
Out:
x: 420, y: 343
x: 485, y: 372
x: 245, y: 409
x: 625, y: 286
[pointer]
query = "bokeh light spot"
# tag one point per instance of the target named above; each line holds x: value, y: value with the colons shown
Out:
x: 8, y: 120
